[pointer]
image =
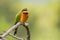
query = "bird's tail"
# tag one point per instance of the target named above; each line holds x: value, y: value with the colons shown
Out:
x: 15, y: 32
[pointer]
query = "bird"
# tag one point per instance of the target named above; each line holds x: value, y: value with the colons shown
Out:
x: 22, y: 16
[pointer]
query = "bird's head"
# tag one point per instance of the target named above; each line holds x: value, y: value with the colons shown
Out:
x: 25, y: 11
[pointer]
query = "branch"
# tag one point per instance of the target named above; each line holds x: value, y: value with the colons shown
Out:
x: 10, y: 30
x: 28, y: 31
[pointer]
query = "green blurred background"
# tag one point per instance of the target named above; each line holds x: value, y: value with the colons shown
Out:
x: 44, y: 20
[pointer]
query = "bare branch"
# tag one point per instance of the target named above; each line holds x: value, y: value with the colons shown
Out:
x: 28, y: 31
x: 10, y: 30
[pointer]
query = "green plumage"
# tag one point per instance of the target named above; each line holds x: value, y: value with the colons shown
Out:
x: 17, y: 18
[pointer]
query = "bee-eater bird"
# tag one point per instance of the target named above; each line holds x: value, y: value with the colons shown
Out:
x: 21, y: 17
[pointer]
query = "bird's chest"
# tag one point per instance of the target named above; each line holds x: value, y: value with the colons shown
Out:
x: 23, y: 18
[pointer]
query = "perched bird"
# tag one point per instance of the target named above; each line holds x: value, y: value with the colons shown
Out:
x: 22, y: 17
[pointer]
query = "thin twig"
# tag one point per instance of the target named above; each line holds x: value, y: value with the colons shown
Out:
x: 13, y: 36
x: 16, y: 37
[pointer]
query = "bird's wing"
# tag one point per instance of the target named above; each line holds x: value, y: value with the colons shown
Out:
x: 17, y: 18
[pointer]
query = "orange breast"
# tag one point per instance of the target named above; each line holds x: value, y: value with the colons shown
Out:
x: 24, y: 17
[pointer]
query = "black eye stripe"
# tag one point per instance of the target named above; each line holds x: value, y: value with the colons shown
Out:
x: 25, y: 13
